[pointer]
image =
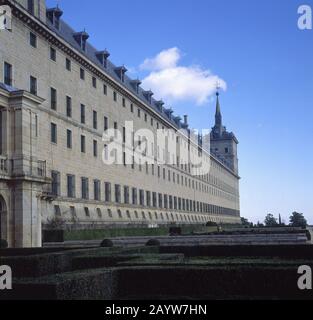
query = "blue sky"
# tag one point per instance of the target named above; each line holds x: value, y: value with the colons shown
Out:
x: 266, y: 62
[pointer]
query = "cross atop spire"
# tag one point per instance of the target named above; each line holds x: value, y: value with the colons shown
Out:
x: 218, y: 114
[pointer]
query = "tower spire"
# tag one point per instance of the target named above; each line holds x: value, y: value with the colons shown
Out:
x: 218, y: 114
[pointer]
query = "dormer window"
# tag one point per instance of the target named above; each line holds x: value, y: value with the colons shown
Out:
x: 159, y: 105
x: 81, y: 38
x: 31, y: 6
x: 54, y: 16
x: 120, y: 71
x: 136, y: 84
x: 103, y: 56
x: 148, y: 95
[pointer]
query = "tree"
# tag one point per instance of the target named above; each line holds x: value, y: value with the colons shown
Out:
x: 245, y: 222
x: 270, y: 221
x: 297, y: 220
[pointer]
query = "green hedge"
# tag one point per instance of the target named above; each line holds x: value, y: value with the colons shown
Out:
x: 77, y: 235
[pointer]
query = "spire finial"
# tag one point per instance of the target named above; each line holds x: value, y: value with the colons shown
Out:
x: 218, y: 87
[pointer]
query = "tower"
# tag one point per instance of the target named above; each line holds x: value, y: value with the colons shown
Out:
x: 223, y: 143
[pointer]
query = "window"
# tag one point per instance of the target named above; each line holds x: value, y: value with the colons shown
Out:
x: 71, y: 186
x: 7, y: 74
x: 106, y: 123
x: 68, y: 64
x: 135, y: 197
x: 99, y: 213
x: 105, y: 89
x: 146, y: 117
x: 53, y: 98
x: 132, y: 108
x: 57, y: 211
x: 53, y: 133
x: 73, y: 212
x: 83, y: 144
x: 33, y: 85
x: 226, y: 150
x: 142, y: 197
x: 69, y: 139
x: 94, y: 82
x: 82, y: 74
x: 33, y: 40
x: 69, y: 106
x: 87, y: 213
x: 95, y: 148
x: 85, y: 188
x: 108, y: 192
x: 148, y: 194
x: 97, y: 190
x: 138, y: 113
x: 82, y: 114
x: 117, y: 193
x: 95, y: 120
x: 30, y: 6
x: 114, y: 96
x: 55, y: 185
x: 53, y: 54
x: 124, y: 102
x: 126, y: 195
x: 119, y: 213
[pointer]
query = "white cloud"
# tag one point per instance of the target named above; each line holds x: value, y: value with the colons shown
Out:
x: 164, y: 60
x: 173, y: 82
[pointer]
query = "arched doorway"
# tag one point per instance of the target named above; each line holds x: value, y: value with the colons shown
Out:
x: 3, y: 219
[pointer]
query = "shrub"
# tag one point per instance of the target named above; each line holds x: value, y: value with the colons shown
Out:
x: 153, y: 243
x: 107, y: 243
x: 3, y: 244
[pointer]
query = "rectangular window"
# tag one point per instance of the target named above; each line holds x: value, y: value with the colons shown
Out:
x: 114, y: 96
x: 53, y: 133
x: 83, y: 144
x: 105, y: 89
x: 33, y: 40
x: 53, y: 54
x: 95, y: 120
x: 131, y: 108
x: 126, y: 195
x: 97, y: 190
x: 95, y: 148
x: 135, y: 197
x: 69, y: 139
x: 69, y: 106
x: 124, y: 102
x: 55, y: 185
x: 106, y: 123
x: 94, y: 82
x: 82, y: 114
x: 142, y: 197
x: 108, y: 197
x: 148, y: 195
x: 117, y: 193
x: 68, y: 64
x: 85, y: 188
x: 8, y: 74
x: 53, y: 99
x: 82, y: 74
x: 33, y: 85
x: 71, y: 186
x: 138, y: 113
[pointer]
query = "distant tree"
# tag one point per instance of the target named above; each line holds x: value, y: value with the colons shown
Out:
x: 245, y: 222
x: 270, y: 221
x: 297, y: 220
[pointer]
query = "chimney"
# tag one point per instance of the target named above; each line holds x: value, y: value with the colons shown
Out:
x: 186, y: 120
